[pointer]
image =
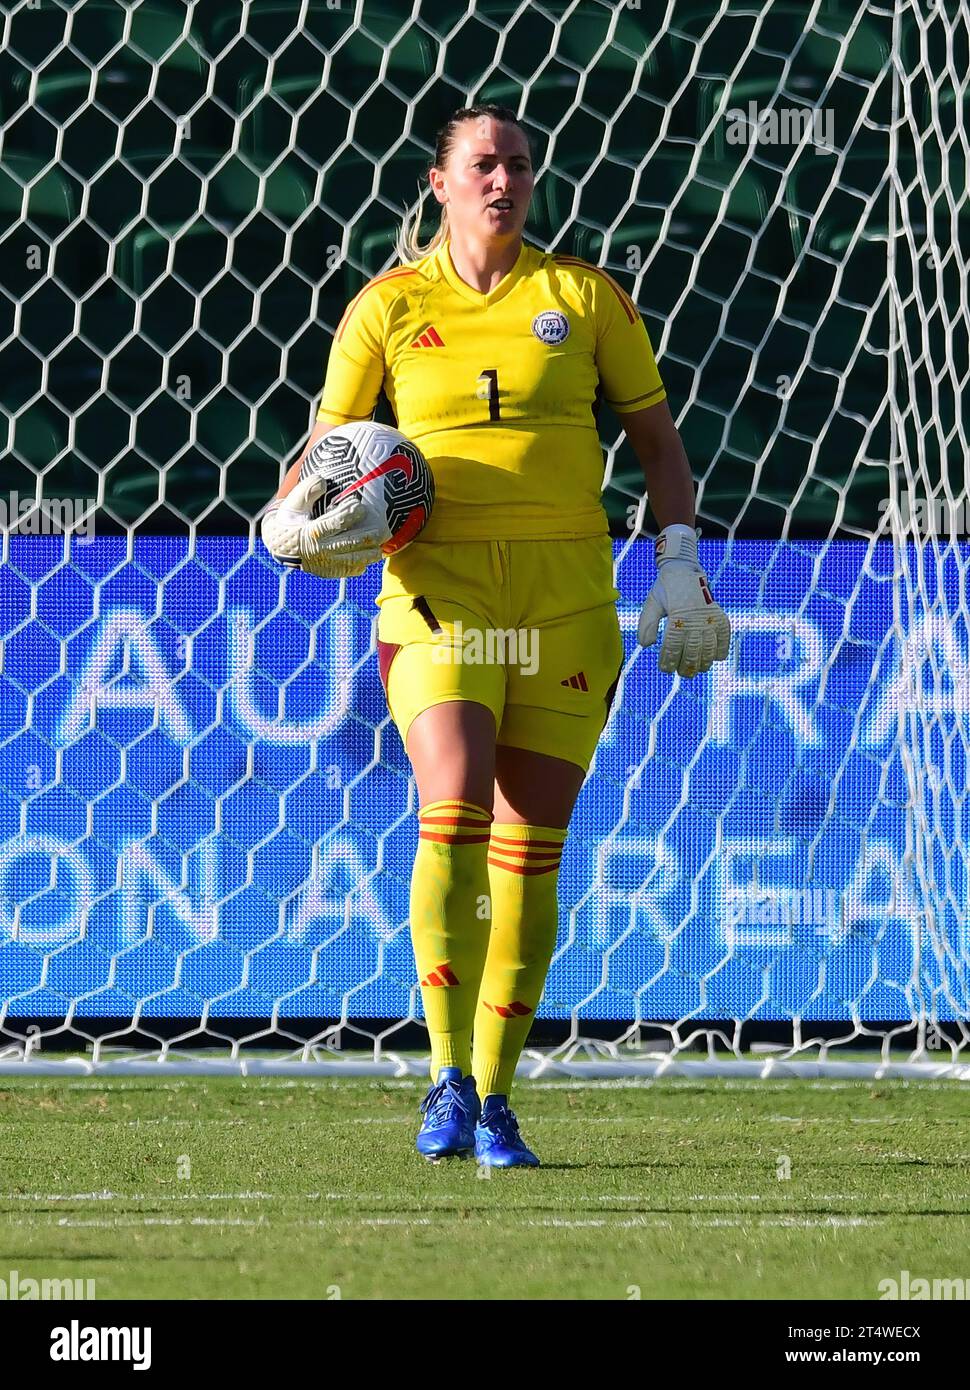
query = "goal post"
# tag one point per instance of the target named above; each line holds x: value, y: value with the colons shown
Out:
x: 207, y: 818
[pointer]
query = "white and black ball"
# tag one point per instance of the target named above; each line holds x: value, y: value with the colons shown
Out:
x: 383, y: 467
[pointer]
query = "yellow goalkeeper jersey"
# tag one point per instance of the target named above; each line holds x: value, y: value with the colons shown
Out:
x: 498, y: 390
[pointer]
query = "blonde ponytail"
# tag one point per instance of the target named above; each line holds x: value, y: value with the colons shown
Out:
x: 407, y: 244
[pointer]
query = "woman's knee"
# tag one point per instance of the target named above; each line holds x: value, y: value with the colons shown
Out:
x: 535, y: 789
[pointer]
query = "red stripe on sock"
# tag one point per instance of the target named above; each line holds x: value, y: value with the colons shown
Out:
x: 453, y: 840
x: 521, y: 869
x: 456, y: 801
x: 522, y: 860
x: 451, y: 810
x: 453, y: 820
x: 532, y: 844
x: 518, y: 856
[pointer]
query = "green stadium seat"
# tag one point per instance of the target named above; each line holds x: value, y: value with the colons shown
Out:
x: 49, y: 199
x: 121, y: 83
x: 272, y: 23
x: 665, y: 182
x: 233, y: 194
x: 798, y: 94
x: 546, y: 100
x: 922, y: 41
x: 845, y: 232
x: 581, y: 33
x: 72, y: 477
x: 725, y: 438
x: 347, y: 201
x: 758, y: 67
x: 549, y: 100
x: 782, y: 32
x: 373, y: 251
x: 224, y: 427
x: 722, y: 451
x: 114, y: 198
x: 268, y: 128
x: 52, y: 198
x: 157, y: 31
x: 19, y: 475
x: 952, y: 109
x: 40, y: 434
x: 21, y: 375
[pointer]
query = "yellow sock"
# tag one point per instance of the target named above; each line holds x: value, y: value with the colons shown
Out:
x: 450, y: 924
x: 523, y: 871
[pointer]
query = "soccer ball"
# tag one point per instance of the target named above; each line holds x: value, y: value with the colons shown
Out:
x: 390, y: 474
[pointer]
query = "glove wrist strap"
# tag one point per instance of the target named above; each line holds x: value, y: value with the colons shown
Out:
x: 677, y: 542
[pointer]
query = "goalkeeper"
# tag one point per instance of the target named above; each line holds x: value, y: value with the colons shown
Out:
x: 494, y: 356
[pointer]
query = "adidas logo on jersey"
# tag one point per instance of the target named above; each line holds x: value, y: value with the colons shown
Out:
x: 577, y: 682
x: 430, y: 338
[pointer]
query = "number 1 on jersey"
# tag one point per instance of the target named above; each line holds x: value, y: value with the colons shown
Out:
x: 488, y: 390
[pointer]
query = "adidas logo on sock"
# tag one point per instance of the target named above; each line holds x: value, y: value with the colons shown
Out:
x: 441, y: 975
x: 513, y: 1010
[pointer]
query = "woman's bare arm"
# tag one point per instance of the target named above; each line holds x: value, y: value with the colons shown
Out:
x: 657, y: 444
x: 293, y: 472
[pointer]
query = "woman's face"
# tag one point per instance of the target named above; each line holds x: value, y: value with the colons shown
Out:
x: 487, y: 181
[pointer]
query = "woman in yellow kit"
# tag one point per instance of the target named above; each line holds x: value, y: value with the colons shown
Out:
x: 493, y: 355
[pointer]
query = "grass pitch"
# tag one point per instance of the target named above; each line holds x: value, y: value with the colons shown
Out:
x: 271, y: 1188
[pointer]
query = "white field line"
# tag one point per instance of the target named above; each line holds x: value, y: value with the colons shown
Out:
x: 119, y: 1221
x: 106, y: 1196
x: 853, y: 1119
x: 710, y: 1222
x: 625, y: 1223
x: 438, y: 1197
x: 328, y: 1121
x: 750, y: 1084
x: 523, y: 1085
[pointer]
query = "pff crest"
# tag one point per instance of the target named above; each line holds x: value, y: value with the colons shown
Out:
x: 551, y: 327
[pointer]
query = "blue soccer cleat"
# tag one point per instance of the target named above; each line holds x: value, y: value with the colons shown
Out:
x: 498, y: 1143
x: 451, y: 1110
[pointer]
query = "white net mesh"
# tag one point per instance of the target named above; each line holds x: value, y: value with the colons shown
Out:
x: 207, y: 819
x: 927, y: 513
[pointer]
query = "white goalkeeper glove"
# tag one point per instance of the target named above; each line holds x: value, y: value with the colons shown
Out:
x: 697, y: 632
x: 338, y: 545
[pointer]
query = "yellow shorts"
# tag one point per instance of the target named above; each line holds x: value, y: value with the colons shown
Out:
x: 528, y: 628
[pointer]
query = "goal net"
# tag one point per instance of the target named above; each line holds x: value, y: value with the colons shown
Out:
x: 207, y: 819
